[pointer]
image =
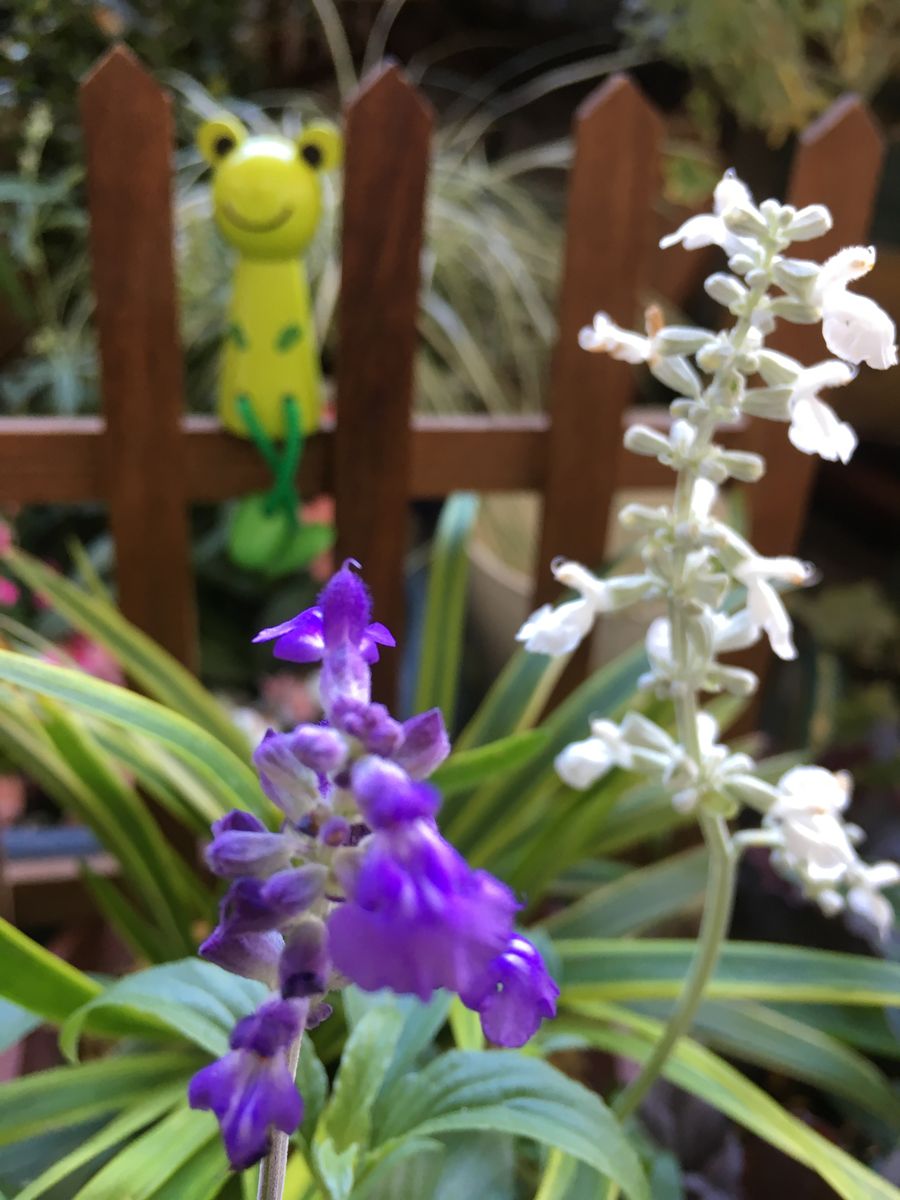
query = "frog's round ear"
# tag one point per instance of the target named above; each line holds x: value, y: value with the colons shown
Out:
x: 217, y: 138
x: 320, y: 145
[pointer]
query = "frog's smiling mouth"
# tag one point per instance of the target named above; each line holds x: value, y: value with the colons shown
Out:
x: 256, y: 226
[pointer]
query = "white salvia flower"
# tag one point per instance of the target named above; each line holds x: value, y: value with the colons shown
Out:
x: 763, y: 602
x: 854, y: 327
x: 815, y: 426
x: 864, y: 894
x: 815, y: 842
x: 581, y: 764
x: 709, y: 229
x: 606, y: 337
x: 559, y: 630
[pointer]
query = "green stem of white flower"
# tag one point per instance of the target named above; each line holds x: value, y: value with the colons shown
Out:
x: 273, y: 1167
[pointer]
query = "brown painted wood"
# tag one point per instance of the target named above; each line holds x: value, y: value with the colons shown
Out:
x: 838, y: 162
x: 128, y: 146
x: 609, y: 230
x: 388, y: 130
x: 60, y: 459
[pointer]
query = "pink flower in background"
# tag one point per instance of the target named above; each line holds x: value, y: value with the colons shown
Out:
x: 93, y: 658
x: 320, y: 511
x: 9, y: 593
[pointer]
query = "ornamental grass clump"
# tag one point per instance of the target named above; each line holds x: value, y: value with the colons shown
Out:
x: 695, y: 562
x: 356, y: 886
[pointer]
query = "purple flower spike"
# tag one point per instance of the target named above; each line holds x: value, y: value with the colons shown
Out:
x: 387, y: 796
x: 305, y: 965
x: 290, y: 785
x: 253, y: 955
x: 242, y: 845
x: 417, y: 917
x: 425, y: 744
x: 514, y: 996
x: 252, y: 1090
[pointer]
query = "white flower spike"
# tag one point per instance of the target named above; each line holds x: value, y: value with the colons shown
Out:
x: 605, y: 337
x: 710, y: 229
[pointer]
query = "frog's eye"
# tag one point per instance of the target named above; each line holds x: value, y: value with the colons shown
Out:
x: 319, y: 145
x: 217, y: 138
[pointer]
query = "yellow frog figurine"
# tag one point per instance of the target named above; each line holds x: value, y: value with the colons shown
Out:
x: 267, y: 201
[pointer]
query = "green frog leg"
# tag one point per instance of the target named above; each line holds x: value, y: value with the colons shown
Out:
x: 284, y: 492
x: 258, y: 435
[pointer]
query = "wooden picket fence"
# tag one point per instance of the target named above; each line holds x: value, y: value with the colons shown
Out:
x: 149, y: 462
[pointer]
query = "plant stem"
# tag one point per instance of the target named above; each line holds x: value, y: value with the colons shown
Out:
x: 273, y: 1166
x: 713, y: 929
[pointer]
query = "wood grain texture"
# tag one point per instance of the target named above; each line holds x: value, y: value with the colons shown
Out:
x: 388, y: 130
x: 837, y: 162
x: 128, y: 146
x: 609, y: 232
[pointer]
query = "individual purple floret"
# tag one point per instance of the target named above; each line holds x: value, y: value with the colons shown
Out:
x: 242, y: 846
x: 251, y: 1090
x: 514, y: 995
x: 253, y: 955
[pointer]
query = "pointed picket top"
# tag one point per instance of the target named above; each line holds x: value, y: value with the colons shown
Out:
x: 386, y: 89
x: 619, y: 98
x: 119, y: 73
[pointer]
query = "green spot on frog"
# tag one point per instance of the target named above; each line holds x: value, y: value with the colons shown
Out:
x: 287, y: 338
x: 236, y: 335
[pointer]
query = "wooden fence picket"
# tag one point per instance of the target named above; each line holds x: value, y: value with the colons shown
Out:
x: 128, y: 144
x: 609, y: 225
x: 388, y: 131
x: 837, y: 162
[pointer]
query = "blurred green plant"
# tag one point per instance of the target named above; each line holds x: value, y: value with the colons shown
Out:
x: 774, y: 64
x: 404, y: 1113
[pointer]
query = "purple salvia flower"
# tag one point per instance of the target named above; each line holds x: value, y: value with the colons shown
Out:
x: 254, y: 906
x: 417, y: 917
x: 253, y: 955
x: 370, y: 724
x: 514, y: 995
x: 386, y: 794
x: 425, y: 744
x: 303, y: 639
x: 305, y: 965
x: 251, y: 1090
x: 318, y: 747
x: 291, y: 786
x: 242, y: 845
x: 335, y: 832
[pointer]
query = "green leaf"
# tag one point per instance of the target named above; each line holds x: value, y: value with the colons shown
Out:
x: 151, y: 667
x: 71, y: 1095
x: 152, y: 1159
x: 465, y: 1026
x: 39, y: 981
x: 514, y: 701
x: 421, y: 1021
x: 467, y: 769
x: 865, y: 1028
x: 511, y: 1093
x: 147, y: 1109
x: 702, y: 1073
x: 639, y: 900
x: 601, y: 969
x: 190, y: 1000
x: 368, y: 1053
x: 236, y: 784
x: 200, y: 1177
x: 312, y: 1082
x: 764, y: 1037
x: 16, y: 1023
x: 138, y: 934
x: 442, y: 639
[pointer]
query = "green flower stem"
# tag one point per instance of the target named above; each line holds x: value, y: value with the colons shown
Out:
x: 713, y: 930
x: 273, y: 1167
